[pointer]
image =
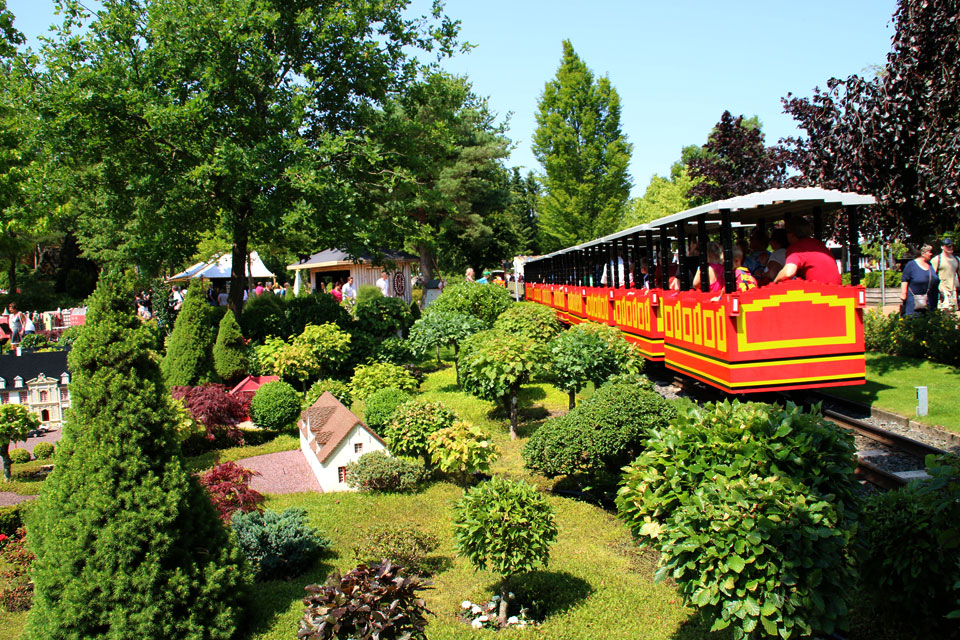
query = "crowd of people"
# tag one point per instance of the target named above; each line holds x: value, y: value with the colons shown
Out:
x: 929, y: 281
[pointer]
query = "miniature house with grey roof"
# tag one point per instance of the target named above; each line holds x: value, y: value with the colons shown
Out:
x: 331, y: 437
x: 38, y: 380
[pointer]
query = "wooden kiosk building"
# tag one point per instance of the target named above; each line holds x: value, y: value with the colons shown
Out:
x: 335, y: 265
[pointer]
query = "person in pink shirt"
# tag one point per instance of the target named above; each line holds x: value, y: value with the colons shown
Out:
x: 715, y: 258
x: 337, y: 292
x: 807, y: 258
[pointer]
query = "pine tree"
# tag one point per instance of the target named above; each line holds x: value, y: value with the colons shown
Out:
x: 584, y: 155
x: 127, y: 543
x: 228, y: 356
x: 189, y: 358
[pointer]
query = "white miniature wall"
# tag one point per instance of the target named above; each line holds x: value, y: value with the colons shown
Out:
x: 327, y: 474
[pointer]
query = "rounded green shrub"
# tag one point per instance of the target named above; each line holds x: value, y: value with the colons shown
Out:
x: 33, y: 341
x: 531, y: 320
x: 381, y: 405
x: 412, y: 423
x: 367, y: 292
x: 19, y: 456
x: 337, y: 388
x: 394, y: 350
x: 438, y: 328
x: 482, y: 301
x: 262, y: 317
x: 369, y: 378
x: 317, y: 309
x: 596, y: 439
x: 43, y: 450
x: 275, y: 405
x: 278, y: 545
x: 402, y: 544
x: 461, y: 450
x: 383, y: 317
x: 378, y: 471
x: 752, y: 509
x: 589, y: 352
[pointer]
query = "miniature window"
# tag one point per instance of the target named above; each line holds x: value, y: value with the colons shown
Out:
x: 342, y: 474
x: 43, y: 396
x: 44, y: 416
x: 3, y: 383
x: 23, y: 397
x: 18, y: 382
x: 358, y: 447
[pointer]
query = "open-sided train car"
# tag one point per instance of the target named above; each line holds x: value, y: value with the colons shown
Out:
x: 791, y: 335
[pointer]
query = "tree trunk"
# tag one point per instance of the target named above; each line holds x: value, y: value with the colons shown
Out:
x: 573, y: 400
x: 514, y: 401
x: 456, y: 361
x: 12, y: 273
x: 5, y: 460
x: 438, y: 355
x: 426, y: 262
x: 238, y: 270
x: 504, y: 592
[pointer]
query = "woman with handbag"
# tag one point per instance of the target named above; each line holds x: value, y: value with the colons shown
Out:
x: 919, y: 284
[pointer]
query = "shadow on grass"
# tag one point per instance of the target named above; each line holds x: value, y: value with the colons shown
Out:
x: 865, y: 394
x: 528, y: 394
x: 697, y: 627
x: 271, y: 599
x: 545, y: 593
x: 884, y: 364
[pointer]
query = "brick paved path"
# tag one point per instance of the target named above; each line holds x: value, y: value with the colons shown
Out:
x: 283, y: 472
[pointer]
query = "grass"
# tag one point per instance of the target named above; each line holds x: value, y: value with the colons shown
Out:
x: 25, y: 479
x: 890, y: 387
x: 282, y: 442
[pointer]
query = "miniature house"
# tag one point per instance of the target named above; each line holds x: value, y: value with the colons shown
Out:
x: 247, y: 387
x: 331, y: 437
x: 38, y: 380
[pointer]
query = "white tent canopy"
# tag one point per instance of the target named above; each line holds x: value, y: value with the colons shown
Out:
x: 222, y: 267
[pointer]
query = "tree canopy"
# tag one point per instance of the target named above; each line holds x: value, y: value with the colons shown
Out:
x: 584, y: 156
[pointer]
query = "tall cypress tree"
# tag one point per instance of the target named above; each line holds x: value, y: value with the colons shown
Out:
x: 127, y: 543
x: 189, y: 358
x: 228, y: 355
x: 584, y: 156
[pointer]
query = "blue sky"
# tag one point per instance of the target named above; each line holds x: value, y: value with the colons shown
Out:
x: 676, y: 65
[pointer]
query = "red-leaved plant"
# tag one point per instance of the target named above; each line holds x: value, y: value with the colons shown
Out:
x: 16, y: 588
x: 212, y: 406
x: 228, y: 486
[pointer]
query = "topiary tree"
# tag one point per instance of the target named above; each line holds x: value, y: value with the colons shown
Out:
x: 481, y: 301
x: 120, y: 510
x: 411, y: 423
x: 505, y: 526
x: 230, y: 349
x: 494, y: 365
x: 438, y: 328
x: 383, y: 317
x: 531, y: 320
x: 381, y: 405
x: 584, y: 354
x: 461, y: 450
x: 369, y: 378
x: 275, y: 406
x: 15, y: 422
x: 189, y: 359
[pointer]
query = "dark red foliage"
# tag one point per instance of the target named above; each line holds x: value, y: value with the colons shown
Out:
x: 896, y: 136
x: 212, y: 406
x: 16, y: 588
x: 228, y: 486
x: 736, y: 162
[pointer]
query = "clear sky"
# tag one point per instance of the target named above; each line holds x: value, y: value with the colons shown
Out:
x: 676, y: 65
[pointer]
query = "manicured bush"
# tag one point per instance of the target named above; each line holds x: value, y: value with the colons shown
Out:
x: 367, y: 292
x: 275, y: 405
x: 481, y: 301
x: 909, y: 547
x: 493, y: 366
x: 230, y: 349
x: 934, y: 335
x: 337, y: 388
x: 369, y: 378
x: 262, y: 317
x: 321, y: 351
x: 11, y: 519
x: 395, y: 350
x: 228, y: 486
x: 586, y: 352
x: 43, y: 450
x: 504, y: 526
x: 383, y: 317
x: 402, y: 544
x: 461, y: 450
x: 20, y: 456
x: 872, y: 279
x: 599, y: 437
x: 530, y: 320
x: 371, y: 601
x: 317, y: 309
x: 752, y: 509
x: 34, y: 341
x: 381, y: 405
x: 16, y: 421
x: 119, y: 509
x: 189, y: 358
x: 278, y: 545
x: 411, y: 424
x: 438, y: 328
x: 377, y: 471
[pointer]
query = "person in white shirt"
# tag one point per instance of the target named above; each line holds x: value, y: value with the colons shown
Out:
x: 349, y: 293
x: 222, y: 298
x: 383, y: 283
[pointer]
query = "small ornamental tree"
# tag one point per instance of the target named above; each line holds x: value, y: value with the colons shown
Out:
x: 530, y: 320
x: 189, y: 359
x: 229, y: 352
x: 582, y: 354
x: 337, y: 388
x: 275, y: 406
x: 320, y: 351
x: 504, y: 526
x: 379, y: 407
x: 481, y: 301
x: 15, y: 422
x: 412, y: 423
x: 461, y: 450
x: 369, y: 378
x: 228, y: 486
x: 119, y: 508
x: 438, y: 328
x: 383, y: 317
x: 496, y: 365
x: 213, y: 407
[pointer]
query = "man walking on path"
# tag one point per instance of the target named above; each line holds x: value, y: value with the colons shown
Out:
x: 947, y: 266
x: 384, y: 284
x: 348, y: 291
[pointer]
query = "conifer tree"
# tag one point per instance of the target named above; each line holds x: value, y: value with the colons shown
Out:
x: 189, y: 359
x: 228, y: 353
x: 127, y: 544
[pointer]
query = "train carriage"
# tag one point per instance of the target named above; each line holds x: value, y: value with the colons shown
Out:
x: 791, y: 335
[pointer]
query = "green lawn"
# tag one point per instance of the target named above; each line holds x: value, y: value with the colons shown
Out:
x: 890, y: 386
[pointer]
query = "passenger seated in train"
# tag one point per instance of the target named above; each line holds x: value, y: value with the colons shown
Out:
x: 745, y: 279
x: 673, y: 283
x: 715, y: 272
x: 757, y: 257
x: 646, y: 278
x: 778, y: 255
x: 807, y: 258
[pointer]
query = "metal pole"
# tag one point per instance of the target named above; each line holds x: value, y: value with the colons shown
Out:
x: 883, y: 277
x: 637, y: 276
x: 682, y: 256
x: 664, y: 259
x: 704, y: 265
x: 853, y: 222
x: 726, y: 238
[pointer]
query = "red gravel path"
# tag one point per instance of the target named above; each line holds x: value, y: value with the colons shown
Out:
x: 51, y: 437
x: 7, y: 498
x: 283, y: 472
